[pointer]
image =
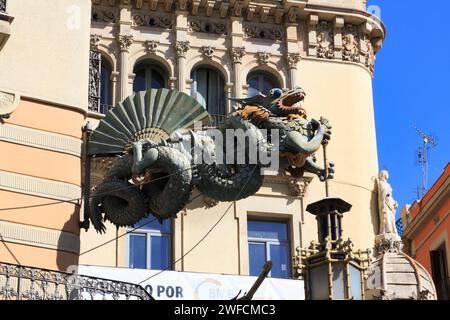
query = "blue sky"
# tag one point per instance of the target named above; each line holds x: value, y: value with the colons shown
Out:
x: 412, y: 86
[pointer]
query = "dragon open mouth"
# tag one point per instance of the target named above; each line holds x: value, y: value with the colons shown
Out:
x: 292, y: 102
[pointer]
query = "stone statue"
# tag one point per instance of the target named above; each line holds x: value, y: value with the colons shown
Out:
x: 386, y: 205
x: 156, y: 167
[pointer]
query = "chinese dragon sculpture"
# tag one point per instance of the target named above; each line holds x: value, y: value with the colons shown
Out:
x: 157, y: 164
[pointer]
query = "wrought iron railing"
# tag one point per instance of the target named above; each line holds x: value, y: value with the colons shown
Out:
x: 28, y: 283
x: 399, y: 225
x: 2, y: 5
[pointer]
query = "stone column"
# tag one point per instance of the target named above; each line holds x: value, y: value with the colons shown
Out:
x: 293, y: 58
x: 338, y: 25
x: 181, y: 48
x: 124, y: 43
x: 237, y: 53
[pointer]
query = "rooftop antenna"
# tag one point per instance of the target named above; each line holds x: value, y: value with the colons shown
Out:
x: 429, y: 142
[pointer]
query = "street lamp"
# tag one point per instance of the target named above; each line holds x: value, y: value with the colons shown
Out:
x: 331, y: 268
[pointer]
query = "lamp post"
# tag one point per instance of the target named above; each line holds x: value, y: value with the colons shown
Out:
x: 331, y: 268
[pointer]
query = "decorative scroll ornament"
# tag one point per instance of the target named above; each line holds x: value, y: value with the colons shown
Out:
x: 196, y: 25
x: 182, y: 47
x: 8, y: 104
x: 325, y: 40
x: 208, y: 51
x: 105, y: 15
x: 237, y: 53
x: 95, y: 59
x: 145, y: 20
x: 263, y: 57
x: 260, y: 32
x: 124, y: 42
x: 350, y: 42
x: 293, y: 59
x: 151, y: 45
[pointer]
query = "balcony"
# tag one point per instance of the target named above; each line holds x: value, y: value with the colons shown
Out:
x: 5, y: 24
x: 28, y: 283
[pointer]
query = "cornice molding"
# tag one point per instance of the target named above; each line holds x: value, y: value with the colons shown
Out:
x: 39, y: 187
x: 40, y: 139
x: 425, y: 213
x: 39, y: 237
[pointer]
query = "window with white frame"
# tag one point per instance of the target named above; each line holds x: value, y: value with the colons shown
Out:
x: 150, y: 247
x: 269, y: 240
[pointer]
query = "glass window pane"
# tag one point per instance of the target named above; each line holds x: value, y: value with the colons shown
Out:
x: 257, y: 257
x: 355, y: 282
x: 139, y: 81
x: 338, y: 282
x: 267, y: 230
x: 138, y: 251
x: 261, y: 81
x: 319, y: 282
x: 279, y: 255
x: 105, y: 83
x: 157, y: 81
x: 159, y: 252
x: 209, y: 90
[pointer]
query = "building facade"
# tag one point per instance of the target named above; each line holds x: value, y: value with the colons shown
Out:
x: 96, y: 53
x: 426, y: 226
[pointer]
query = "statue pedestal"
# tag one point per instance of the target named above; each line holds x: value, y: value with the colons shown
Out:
x: 388, y: 242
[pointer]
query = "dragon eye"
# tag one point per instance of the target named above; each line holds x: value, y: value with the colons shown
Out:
x: 276, y: 93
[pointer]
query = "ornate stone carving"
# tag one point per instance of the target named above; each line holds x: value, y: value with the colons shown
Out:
x: 388, y: 243
x: 263, y: 57
x: 154, y: 21
x: 350, y: 41
x: 8, y: 103
x: 95, y: 40
x: 124, y: 42
x: 369, y: 54
x: 325, y: 40
x: 298, y: 187
x: 237, y: 53
x: 151, y: 45
x: 208, y: 51
x: 94, y: 80
x: 260, y: 32
x: 105, y: 15
x: 293, y: 59
x: 181, y: 5
x: 197, y: 25
x: 182, y: 47
x: 2, y: 5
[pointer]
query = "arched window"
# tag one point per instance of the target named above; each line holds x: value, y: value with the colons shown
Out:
x: 105, y: 86
x: 261, y: 82
x: 208, y: 89
x: 149, y: 76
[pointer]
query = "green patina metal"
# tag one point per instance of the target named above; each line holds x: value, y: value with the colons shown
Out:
x: 157, y: 164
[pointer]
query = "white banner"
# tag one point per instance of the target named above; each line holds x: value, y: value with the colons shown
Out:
x: 172, y: 285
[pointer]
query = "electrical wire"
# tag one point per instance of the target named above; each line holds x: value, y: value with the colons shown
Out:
x: 206, y: 235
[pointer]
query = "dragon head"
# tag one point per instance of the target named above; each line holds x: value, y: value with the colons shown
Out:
x: 280, y: 103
